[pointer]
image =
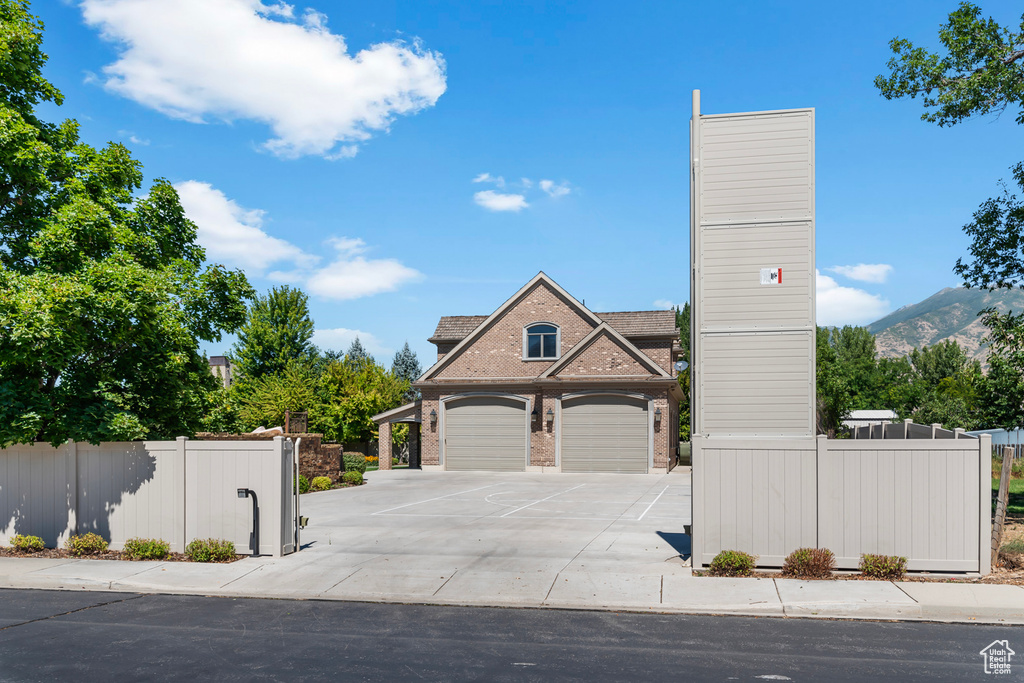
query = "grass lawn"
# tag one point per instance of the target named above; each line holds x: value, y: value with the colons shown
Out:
x: 1016, y: 505
x: 404, y: 466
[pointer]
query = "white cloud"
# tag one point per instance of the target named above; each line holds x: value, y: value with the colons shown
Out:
x: 351, y: 276
x: 666, y: 304
x: 864, y: 272
x: 846, y: 305
x: 243, y: 59
x: 554, y: 190
x: 496, y: 201
x: 526, y: 183
x: 488, y: 178
x: 340, y: 338
x: 234, y: 235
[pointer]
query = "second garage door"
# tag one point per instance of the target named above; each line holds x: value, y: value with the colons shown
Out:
x: 604, y: 434
x: 485, y: 433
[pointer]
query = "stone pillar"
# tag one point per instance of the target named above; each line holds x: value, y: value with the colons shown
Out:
x: 384, y: 446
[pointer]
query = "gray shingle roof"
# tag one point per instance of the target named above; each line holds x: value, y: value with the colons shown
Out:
x: 626, y: 323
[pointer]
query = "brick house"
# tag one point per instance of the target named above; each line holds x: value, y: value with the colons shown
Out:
x: 544, y: 383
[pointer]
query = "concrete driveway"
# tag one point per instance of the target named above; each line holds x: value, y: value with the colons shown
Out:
x: 472, y: 538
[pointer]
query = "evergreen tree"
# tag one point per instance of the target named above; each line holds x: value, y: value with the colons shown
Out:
x: 406, y: 367
x: 357, y: 354
x: 277, y: 332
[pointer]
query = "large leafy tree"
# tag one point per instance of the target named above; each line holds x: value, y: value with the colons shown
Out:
x: 358, y: 390
x: 104, y: 296
x: 833, y: 395
x: 277, y: 332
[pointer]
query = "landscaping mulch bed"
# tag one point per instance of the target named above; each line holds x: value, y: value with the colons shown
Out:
x: 1008, y: 571
x: 61, y: 554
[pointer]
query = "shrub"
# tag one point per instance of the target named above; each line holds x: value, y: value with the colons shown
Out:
x: 303, y: 484
x: 810, y: 563
x: 354, y: 478
x: 354, y: 462
x: 210, y: 550
x: 86, y: 544
x: 320, y: 483
x: 883, y: 566
x: 732, y: 563
x: 27, y: 544
x: 146, y: 549
x: 395, y: 461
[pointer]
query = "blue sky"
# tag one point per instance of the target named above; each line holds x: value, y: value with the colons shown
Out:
x: 334, y: 146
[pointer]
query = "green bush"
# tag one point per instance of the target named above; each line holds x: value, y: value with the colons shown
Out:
x: 27, y: 544
x: 354, y: 462
x: 395, y: 461
x: 354, y: 478
x: 732, y: 563
x: 210, y: 550
x: 810, y: 563
x: 86, y: 544
x: 146, y: 549
x: 303, y: 484
x: 883, y: 566
x: 320, y: 483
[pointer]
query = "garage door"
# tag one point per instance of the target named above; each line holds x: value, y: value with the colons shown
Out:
x: 485, y: 433
x: 604, y: 434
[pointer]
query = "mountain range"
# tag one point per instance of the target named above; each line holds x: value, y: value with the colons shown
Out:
x: 951, y: 313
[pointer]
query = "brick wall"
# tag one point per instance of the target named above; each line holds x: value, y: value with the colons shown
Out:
x: 498, y: 352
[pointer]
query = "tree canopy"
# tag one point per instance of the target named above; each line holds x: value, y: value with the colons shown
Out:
x: 981, y: 70
x: 104, y: 295
x: 277, y: 331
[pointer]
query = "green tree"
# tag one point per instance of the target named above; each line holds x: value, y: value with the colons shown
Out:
x: 358, y: 390
x: 406, y: 367
x: 855, y: 352
x: 356, y: 353
x: 104, y: 296
x: 277, y: 331
x: 683, y: 323
x: 834, y: 397
x: 262, y: 401
x: 981, y: 71
x: 938, y: 383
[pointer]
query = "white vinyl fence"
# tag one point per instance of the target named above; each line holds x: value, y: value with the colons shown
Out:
x: 172, y: 490
x: 928, y: 500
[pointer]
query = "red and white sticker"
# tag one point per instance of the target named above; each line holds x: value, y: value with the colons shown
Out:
x: 771, y: 276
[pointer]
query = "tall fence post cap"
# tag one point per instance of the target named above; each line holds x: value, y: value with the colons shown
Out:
x: 182, y: 438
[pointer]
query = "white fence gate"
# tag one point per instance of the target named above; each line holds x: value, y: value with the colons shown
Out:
x: 176, y: 491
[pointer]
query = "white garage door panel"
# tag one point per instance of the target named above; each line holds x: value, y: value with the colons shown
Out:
x: 604, y: 434
x: 485, y: 433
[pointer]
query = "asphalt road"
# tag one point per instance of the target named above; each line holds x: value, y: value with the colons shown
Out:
x: 86, y: 636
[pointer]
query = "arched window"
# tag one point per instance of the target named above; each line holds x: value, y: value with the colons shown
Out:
x: 540, y: 341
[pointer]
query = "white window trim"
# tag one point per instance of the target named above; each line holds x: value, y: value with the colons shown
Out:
x: 558, y: 341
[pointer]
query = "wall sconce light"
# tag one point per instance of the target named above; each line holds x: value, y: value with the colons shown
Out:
x: 657, y: 417
x: 550, y: 416
x: 535, y: 415
x: 245, y: 493
x: 433, y: 417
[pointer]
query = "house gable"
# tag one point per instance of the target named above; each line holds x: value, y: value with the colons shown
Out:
x: 604, y: 353
x: 494, y: 350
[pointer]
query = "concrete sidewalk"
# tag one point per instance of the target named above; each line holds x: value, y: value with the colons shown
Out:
x: 667, y: 588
